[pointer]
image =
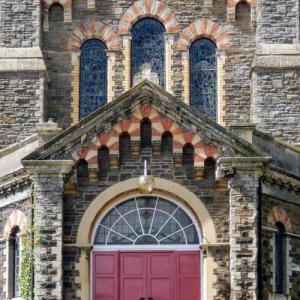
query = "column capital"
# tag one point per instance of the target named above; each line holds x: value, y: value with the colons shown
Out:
x: 228, y: 167
x: 47, y: 167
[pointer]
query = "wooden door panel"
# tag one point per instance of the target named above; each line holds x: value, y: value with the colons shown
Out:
x: 188, y: 275
x: 160, y: 275
x: 105, y: 275
x: 132, y: 276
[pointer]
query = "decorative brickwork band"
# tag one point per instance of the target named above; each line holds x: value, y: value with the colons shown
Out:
x: 16, y: 218
x: 148, y: 8
x: 93, y: 30
x: 279, y: 214
x: 159, y: 126
x: 203, y: 28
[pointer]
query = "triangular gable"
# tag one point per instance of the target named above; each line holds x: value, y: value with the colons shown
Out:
x: 145, y: 100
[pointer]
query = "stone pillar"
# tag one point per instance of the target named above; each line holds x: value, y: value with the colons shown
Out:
x: 111, y: 64
x: 127, y: 62
x: 169, y: 37
x: 186, y: 77
x: 243, y: 174
x: 48, y: 215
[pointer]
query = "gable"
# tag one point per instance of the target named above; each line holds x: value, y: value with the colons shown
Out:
x: 166, y: 113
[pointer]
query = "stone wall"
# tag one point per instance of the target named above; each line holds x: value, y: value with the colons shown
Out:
x: 58, y: 58
x: 277, y: 21
x: 275, y: 103
x: 292, y: 210
x: 25, y: 206
x: 21, y: 106
x: 78, y: 197
x: 19, y: 23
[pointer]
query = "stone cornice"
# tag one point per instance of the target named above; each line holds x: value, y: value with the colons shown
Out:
x: 37, y: 167
x: 280, y: 179
x: 21, y: 60
x: 228, y: 167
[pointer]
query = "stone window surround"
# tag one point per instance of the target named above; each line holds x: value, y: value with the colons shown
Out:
x: 86, y: 31
x: 16, y: 219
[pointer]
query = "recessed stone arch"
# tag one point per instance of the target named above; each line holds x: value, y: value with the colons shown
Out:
x: 233, y: 3
x: 16, y: 219
x: 279, y: 214
x: 203, y: 28
x: 93, y: 30
x: 162, y: 187
x: 66, y: 4
x: 148, y: 8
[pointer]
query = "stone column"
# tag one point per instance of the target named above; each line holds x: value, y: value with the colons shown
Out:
x: 48, y: 215
x: 243, y: 174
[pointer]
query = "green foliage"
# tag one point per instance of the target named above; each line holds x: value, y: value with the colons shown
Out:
x: 26, y: 272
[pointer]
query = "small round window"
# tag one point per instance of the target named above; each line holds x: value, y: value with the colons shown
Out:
x: 146, y: 221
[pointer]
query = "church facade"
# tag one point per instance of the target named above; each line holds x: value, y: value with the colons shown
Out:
x: 149, y: 150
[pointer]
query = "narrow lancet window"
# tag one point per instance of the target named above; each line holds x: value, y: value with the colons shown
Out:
x: 203, y: 77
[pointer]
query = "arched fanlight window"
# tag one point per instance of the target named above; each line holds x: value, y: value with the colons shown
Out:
x: 146, y: 133
x: 146, y: 221
x: 93, y: 77
x: 167, y: 143
x: 103, y: 162
x: 203, y: 77
x: 280, y: 258
x: 188, y: 155
x: 15, y: 254
x: 148, y: 51
x: 243, y: 15
x: 124, y: 146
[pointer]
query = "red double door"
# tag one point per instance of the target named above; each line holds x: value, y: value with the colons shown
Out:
x: 146, y: 275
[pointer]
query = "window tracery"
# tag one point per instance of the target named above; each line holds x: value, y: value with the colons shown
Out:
x: 148, y: 50
x: 93, y: 77
x: 146, y: 220
x: 203, y: 77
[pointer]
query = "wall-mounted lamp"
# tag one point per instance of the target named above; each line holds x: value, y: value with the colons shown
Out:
x: 146, y: 182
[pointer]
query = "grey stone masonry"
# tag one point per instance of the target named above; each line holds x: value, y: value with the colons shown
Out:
x: 48, y: 186
x: 243, y: 175
x: 19, y: 23
x: 277, y: 21
x: 21, y: 106
x: 276, y: 104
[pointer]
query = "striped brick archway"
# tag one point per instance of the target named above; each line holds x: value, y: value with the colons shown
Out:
x: 203, y: 28
x: 148, y: 8
x: 93, y: 30
x: 279, y: 214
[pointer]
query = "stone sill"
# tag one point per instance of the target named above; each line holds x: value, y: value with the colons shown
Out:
x: 274, y: 296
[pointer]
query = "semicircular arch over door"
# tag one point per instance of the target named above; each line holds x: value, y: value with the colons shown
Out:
x: 146, y: 247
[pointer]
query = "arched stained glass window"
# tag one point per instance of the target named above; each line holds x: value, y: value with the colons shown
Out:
x: 146, y: 221
x: 93, y: 77
x: 148, y: 51
x: 203, y: 76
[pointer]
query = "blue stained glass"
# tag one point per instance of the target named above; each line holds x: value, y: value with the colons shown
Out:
x: 203, y: 76
x: 93, y: 77
x: 148, y: 47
